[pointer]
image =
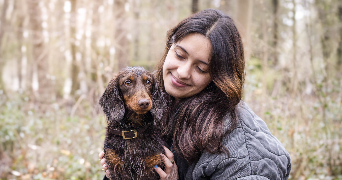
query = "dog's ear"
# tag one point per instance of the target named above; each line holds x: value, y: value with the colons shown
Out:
x: 159, y: 102
x: 111, y: 101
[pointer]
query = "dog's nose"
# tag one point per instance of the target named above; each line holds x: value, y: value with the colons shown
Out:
x: 144, y: 103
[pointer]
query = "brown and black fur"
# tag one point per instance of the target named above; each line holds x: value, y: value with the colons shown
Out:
x: 132, y: 101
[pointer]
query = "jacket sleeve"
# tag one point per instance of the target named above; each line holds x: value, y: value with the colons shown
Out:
x: 254, y: 153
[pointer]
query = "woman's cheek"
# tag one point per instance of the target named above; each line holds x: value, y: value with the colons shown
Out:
x: 168, y: 61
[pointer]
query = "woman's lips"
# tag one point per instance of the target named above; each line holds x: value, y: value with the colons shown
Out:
x: 177, y: 82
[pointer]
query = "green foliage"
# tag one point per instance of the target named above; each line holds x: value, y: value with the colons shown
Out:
x: 44, y: 142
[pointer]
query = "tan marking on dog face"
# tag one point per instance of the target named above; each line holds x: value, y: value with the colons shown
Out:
x: 132, y: 101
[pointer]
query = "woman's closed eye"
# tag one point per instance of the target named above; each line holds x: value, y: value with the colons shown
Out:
x: 178, y: 55
x: 202, y: 67
x: 200, y: 70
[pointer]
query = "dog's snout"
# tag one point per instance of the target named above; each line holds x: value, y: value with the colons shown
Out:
x: 144, y: 103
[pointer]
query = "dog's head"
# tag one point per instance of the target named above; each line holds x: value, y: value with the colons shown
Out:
x: 135, y: 87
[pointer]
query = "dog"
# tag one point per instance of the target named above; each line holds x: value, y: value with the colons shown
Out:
x: 133, y: 106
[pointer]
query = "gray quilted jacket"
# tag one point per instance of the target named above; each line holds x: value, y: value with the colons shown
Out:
x: 254, y: 153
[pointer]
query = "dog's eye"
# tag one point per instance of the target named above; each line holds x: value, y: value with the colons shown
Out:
x: 128, y: 82
x: 148, y: 82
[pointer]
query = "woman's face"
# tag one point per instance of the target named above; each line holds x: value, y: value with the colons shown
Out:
x: 186, y: 66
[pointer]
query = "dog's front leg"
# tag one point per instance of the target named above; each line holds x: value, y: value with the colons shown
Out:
x: 114, y: 164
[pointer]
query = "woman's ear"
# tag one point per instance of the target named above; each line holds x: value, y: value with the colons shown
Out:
x: 111, y: 101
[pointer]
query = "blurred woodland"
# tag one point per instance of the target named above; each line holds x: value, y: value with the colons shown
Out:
x: 57, y: 56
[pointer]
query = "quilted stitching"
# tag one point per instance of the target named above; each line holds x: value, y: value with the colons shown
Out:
x: 255, y: 153
x: 253, y: 177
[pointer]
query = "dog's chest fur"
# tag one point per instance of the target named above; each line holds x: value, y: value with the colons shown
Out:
x: 136, y: 156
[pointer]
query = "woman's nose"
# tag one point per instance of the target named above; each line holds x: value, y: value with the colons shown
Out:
x: 184, y: 71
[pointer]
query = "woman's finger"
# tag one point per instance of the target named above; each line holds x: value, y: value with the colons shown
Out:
x: 104, y: 166
x: 101, y: 155
x: 168, y: 154
x: 161, y: 173
x: 168, y: 163
x: 107, y: 173
x: 168, y: 160
x: 103, y: 161
x: 164, y: 176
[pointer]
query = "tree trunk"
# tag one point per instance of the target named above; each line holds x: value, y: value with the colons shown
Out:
x: 194, y: 6
x: 95, y: 29
x: 3, y: 23
x: 39, y: 51
x: 136, y: 31
x: 75, y: 69
x: 294, y: 47
x: 120, y: 36
x: 244, y: 16
x: 20, y: 23
x: 4, y: 160
x: 96, y: 75
x: 328, y: 49
x: 339, y: 50
x: 265, y: 58
x: 324, y: 15
x: 275, y: 4
x: 57, y: 25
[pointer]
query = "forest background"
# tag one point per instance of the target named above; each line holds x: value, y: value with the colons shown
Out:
x: 57, y: 56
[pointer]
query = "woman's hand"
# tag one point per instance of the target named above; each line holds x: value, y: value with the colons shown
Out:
x: 103, y: 163
x: 171, y: 169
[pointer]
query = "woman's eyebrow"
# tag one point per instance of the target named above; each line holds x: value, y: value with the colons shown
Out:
x: 182, y: 48
x: 204, y: 62
x: 188, y: 54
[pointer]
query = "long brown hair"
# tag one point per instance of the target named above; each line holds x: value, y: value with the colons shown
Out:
x: 196, y: 123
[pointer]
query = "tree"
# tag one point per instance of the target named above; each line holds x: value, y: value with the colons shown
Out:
x: 136, y: 12
x: 20, y: 23
x: 120, y: 36
x: 3, y: 24
x: 95, y: 51
x: 294, y: 45
x: 327, y: 12
x: 275, y: 4
x: 194, y: 6
x: 75, y: 69
x: 3, y: 20
x: 339, y: 50
x: 39, y: 51
x: 244, y: 15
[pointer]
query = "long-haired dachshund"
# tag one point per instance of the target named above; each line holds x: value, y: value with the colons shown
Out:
x: 133, y: 105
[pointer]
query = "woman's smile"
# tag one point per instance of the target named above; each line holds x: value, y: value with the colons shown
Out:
x: 178, y: 83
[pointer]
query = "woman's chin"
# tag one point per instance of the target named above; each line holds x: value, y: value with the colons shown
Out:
x: 174, y: 92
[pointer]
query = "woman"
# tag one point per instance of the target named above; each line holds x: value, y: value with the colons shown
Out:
x: 212, y: 133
